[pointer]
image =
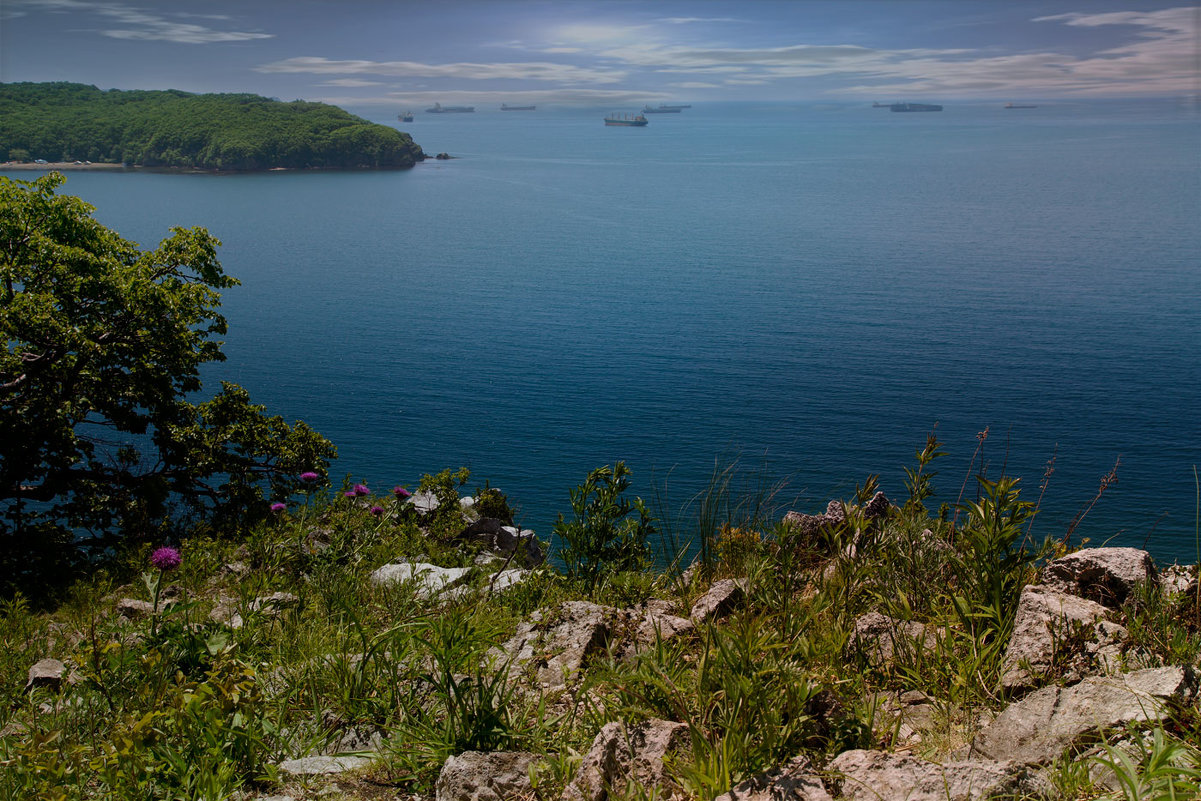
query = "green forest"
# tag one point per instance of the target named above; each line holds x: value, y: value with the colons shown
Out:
x: 63, y: 122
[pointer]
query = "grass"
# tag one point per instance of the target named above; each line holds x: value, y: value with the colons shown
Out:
x: 180, y: 706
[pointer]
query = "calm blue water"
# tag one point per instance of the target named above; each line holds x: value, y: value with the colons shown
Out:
x: 810, y: 288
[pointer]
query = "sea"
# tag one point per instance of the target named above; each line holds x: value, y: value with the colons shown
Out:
x: 790, y: 295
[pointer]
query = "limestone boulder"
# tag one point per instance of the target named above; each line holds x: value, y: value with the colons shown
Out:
x: 477, y: 776
x: 794, y: 781
x: 721, y: 599
x: 428, y: 580
x: 876, y: 775
x: 133, y: 609
x: 1060, y: 636
x: 624, y: 755
x: 1104, y: 575
x: 882, y: 639
x: 1041, y: 726
x: 321, y: 765
x: 47, y: 673
x: 553, y: 646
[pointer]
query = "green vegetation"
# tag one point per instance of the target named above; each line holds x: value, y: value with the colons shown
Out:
x: 192, y: 672
x: 64, y: 122
x: 102, y: 434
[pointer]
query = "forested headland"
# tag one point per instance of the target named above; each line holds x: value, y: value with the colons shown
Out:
x: 64, y: 122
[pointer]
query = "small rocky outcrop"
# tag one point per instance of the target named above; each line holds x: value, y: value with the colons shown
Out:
x: 1041, y: 726
x: 477, y: 776
x: 47, y: 673
x: 1104, y: 575
x: 810, y: 526
x: 881, y: 639
x: 792, y: 781
x: 655, y: 621
x: 1177, y: 580
x: 1058, y: 635
x: 622, y: 755
x: 876, y: 775
x: 722, y: 598
x: 554, y: 646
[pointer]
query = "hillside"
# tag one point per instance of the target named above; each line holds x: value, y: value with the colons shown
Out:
x: 68, y: 121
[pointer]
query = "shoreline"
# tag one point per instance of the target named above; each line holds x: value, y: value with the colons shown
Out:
x: 69, y: 166
x: 29, y: 166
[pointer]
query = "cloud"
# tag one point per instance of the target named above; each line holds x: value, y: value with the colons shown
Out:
x: 692, y: 20
x: 138, y: 24
x: 350, y: 83
x: 534, y: 71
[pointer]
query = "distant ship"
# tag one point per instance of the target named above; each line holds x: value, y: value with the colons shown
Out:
x: 635, y: 120
x: 664, y: 109
x: 405, y: 116
x: 878, y: 104
x: 441, y: 109
x: 507, y: 107
x: 1018, y: 105
x: 914, y: 107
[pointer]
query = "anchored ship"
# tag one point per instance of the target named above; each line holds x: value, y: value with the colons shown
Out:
x: 631, y: 120
x: 405, y: 116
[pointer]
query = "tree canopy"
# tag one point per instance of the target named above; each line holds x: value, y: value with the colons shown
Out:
x: 100, y: 437
x: 63, y: 121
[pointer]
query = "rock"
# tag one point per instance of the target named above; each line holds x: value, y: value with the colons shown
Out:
x: 494, y: 535
x: 655, y: 623
x: 46, y: 673
x: 1060, y: 634
x: 621, y: 755
x: 722, y: 598
x: 875, y: 775
x: 476, y: 776
x: 424, y: 502
x: 133, y: 609
x: 1178, y: 579
x: 498, y: 582
x: 875, y: 508
x: 274, y: 603
x: 792, y: 781
x: 1104, y: 575
x: 1045, y: 723
x: 320, y: 765
x: 556, y: 646
x: 811, y: 526
x: 430, y: 579
x: 881, y: 638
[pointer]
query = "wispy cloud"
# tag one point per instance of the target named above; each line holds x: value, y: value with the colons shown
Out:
x: 559, y: 97
x: 693, y: 20
x: 139, y: 24
x: 535, y: 71
x: 350, y: 83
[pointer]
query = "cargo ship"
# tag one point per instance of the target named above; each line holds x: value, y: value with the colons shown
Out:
x: 914, y: 107
x: 438, y: 108
x: 405, y: 116
x: 507, y: 107
x: 631, y: 120
x: 1018, y: 105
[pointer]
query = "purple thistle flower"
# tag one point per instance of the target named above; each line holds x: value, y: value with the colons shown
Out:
x: 361, y: 489
x: 279, y: 507
x: 166, y: 559
x: 377, y: 510
x: 350, y: 494
x: 401, y: 493
x: 309, y: 477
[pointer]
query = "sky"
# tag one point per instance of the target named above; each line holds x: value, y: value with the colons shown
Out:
x: 375, y: 55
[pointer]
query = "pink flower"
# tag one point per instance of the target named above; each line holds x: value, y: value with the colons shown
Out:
x: 279, y: 507
x: 350, y: 494
x: 401, y: 493
x: 309, y: 477
x: 361, y: 489
x: 377, y: 510
x: 166, y: 559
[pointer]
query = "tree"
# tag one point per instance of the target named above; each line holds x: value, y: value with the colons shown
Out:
x: 100, y: 439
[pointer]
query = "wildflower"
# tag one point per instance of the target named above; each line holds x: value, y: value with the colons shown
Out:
x: 309, y: 477
x: 361, y: 489
x: 350, y: 494
x: 166, y: 559
x: 401, y: 493
x: 377, y: 510
x: 279, y: 507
